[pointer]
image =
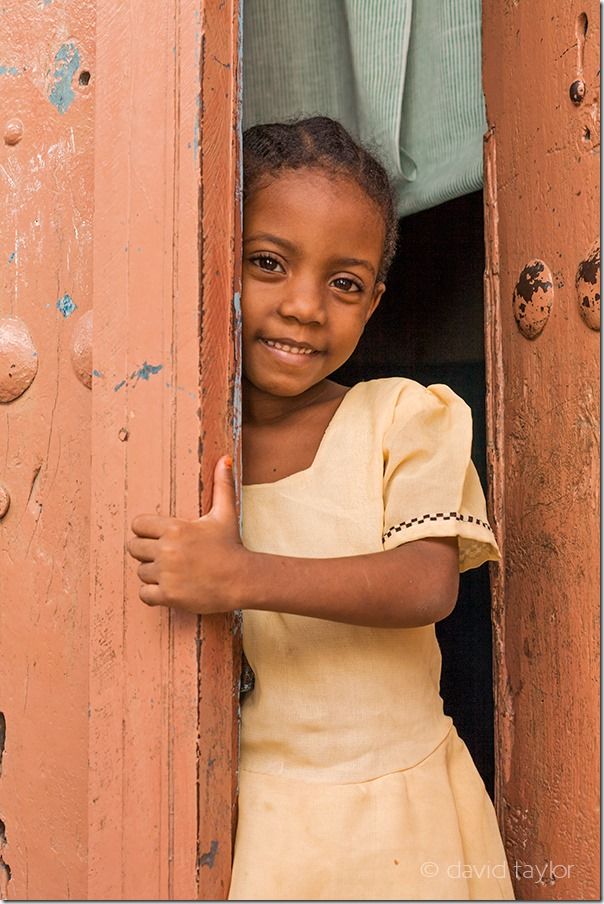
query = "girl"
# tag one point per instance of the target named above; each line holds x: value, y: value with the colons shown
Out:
x: 360, y: 507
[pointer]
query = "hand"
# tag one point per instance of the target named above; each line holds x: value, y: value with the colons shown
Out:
x: 192, y: 565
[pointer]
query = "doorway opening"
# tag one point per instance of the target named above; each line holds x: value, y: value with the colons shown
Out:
x: 429, y: 327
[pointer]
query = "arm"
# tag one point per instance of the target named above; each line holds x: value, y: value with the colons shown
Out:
x: 202, y: 566
x: 415, y: 584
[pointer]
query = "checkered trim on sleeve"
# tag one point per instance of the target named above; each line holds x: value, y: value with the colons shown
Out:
x: 438, y: 516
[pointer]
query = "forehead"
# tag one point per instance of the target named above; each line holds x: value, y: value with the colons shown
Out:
x: 316, y: 210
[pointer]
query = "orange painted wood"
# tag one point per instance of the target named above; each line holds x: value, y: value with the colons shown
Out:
x: 542, y: 203
x: 163, y: 684
x: 46, y: 203
x: 220, y: 640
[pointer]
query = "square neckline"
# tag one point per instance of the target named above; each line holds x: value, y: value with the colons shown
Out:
x: 330, y: 425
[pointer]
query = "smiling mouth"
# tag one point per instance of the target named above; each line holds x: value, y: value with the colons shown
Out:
x: 305, y: 351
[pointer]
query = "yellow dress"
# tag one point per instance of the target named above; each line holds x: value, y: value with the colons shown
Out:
x: 353, y: 782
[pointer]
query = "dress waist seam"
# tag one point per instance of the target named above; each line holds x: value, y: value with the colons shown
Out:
x: 359, y: 781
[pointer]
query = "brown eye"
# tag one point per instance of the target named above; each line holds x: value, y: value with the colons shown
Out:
x: 346, y: 285
x: 266, y: 262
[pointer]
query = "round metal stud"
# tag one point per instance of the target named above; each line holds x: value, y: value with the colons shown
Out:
x: 577, y: 91
x: 4, y: 500
x: 18, y: 358
x: 588, y: 287
x: 13, y: 132
x: 81, y: 349
x: 533, y: 298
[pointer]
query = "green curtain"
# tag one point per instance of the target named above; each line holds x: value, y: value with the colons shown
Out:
x: 403, y: 76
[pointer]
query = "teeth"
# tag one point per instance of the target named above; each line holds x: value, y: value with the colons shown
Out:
x: 292, y: 349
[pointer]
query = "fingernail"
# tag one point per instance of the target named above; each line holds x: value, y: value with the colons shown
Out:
x: 228, y: 461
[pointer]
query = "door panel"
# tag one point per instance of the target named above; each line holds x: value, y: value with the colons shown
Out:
x: 120, y: 191
x: 541, y: 81
x: 163, y: 684
x: 46, y: 203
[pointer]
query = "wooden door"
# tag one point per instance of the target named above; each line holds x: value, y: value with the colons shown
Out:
x: 119, y: 368
x: 541, y: 81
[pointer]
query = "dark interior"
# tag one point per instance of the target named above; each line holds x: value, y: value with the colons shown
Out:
x: 429, y: 327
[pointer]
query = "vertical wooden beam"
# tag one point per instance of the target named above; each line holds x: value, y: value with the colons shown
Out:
x: 163, y: 727
x: 47, y: 82
x: 541, y: 82
x: 220, y: 648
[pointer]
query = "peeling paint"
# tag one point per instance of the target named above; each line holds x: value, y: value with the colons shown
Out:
x: 142, y: 373
x: 533, y: 298
x: 67, y: 62
x: 2, y: 738
x: 66, y: 305
x: 5, y: 873
x: 209, y: 857
x: 9, y: 70
x: 587, y: 284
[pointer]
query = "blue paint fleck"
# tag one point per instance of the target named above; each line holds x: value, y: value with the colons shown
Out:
x: 11, y: 257
x: 9, y: 70
x: 144, y: 372
x: 66, y: 305
x: 67, y: 62
x: 97, y: 373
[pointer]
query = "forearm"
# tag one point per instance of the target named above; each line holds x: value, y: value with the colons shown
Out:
x: 413, y: 585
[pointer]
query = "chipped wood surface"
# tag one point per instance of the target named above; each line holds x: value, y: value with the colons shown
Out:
x: 46, y: 201
x: 163, y: 684
x: 542, y: 204
x: 118, y: 723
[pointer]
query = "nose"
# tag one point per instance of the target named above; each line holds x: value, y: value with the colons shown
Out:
x: 303, y: 300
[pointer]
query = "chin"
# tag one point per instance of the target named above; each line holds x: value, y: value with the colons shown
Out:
x: 284, y: 388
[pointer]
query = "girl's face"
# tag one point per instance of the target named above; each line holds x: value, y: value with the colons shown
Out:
x: 312, y: 248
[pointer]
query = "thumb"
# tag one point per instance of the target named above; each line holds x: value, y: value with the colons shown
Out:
x: 224, y: 500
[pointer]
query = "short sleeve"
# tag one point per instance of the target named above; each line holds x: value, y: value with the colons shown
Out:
x: 431, y: 487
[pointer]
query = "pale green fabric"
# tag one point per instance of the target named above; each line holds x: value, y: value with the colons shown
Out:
x: 403, y: 76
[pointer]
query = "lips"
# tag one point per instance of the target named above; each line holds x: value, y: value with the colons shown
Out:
x: 290, y: 346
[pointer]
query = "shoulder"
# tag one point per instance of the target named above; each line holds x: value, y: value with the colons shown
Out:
x: 401, y: 397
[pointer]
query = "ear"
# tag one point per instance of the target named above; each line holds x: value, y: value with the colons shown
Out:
x: 378, y: 291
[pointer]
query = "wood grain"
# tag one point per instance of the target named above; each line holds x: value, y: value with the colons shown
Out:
x: 542, y: 195
x: 162, y: 683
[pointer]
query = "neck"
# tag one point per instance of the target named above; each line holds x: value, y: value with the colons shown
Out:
x: 260, y: 407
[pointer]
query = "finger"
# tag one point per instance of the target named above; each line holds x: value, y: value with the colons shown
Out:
x: 148, y: 573
x: 143, y: 550
x: 151, y: 594
x: 150, y: 526
x: 224, y: 500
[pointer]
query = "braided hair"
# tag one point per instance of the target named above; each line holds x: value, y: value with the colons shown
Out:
x: 321, y: 143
